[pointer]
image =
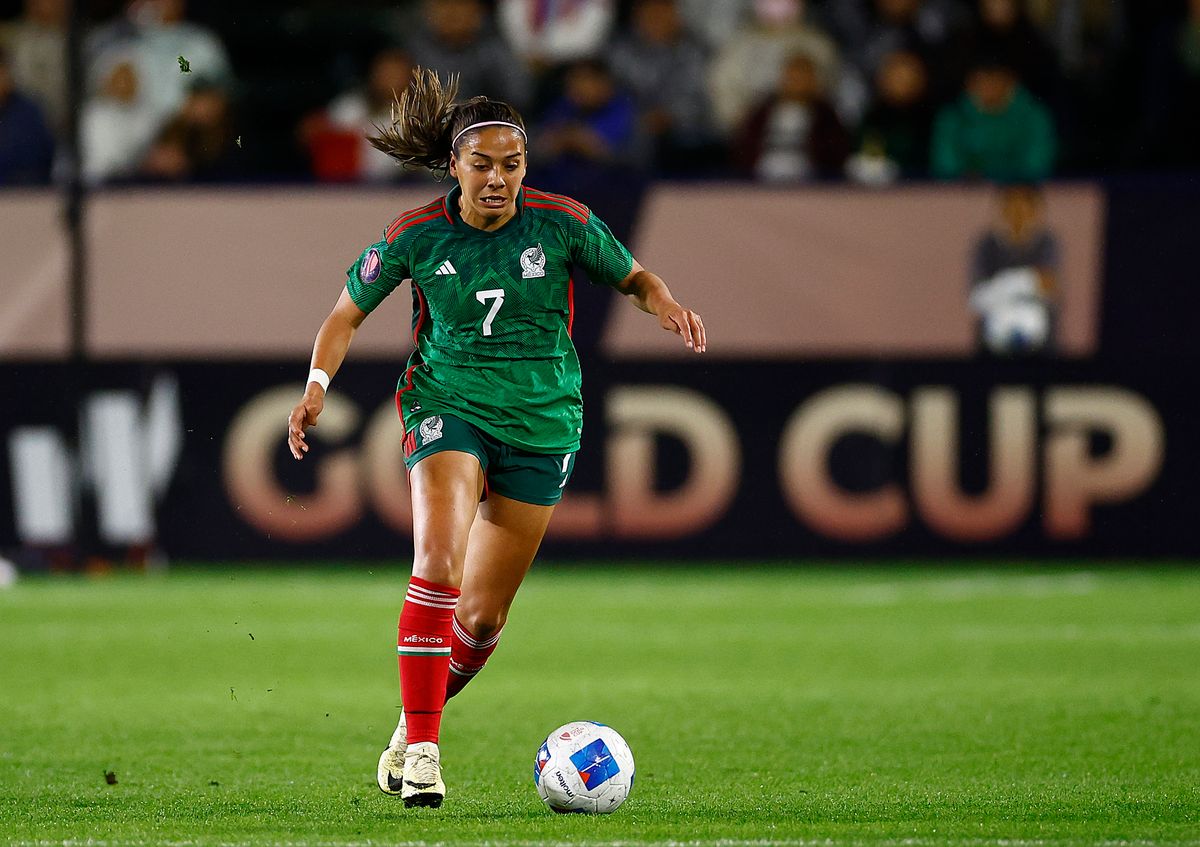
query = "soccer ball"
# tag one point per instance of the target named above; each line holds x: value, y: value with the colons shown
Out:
x: 584, y: 767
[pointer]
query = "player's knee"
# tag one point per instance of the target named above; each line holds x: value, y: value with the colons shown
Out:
x: 480, y: 621
x: 438, y: 566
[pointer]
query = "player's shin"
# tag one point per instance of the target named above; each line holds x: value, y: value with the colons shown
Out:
x: 423, y: 644
x: 468, y: 655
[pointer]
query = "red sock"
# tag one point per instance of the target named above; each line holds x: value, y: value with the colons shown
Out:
x: 423, y: 643
x: 468, y: 655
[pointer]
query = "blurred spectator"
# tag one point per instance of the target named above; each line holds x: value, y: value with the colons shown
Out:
x: 1086, y: 35
x: 37, y: 47
x: 156, y: 34
x: 26, y: 145
x: 546, y: 33
x: 198, y: 144
x: 996, y: 130
x: 664, y: 66
x: 795, y: 134
x: 1006, y: 32
x: 749, y: 66
x: 1014, y: 278
x: 894, y: 137
x: 336, y: 138
x: 454, y: 38
x: 592, y: 127
x: 117, y: 125
x: 871, y: 30
x: 714, y: 22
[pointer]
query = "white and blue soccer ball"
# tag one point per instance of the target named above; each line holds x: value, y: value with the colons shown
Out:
x: 1022, y: 326
x: 584, y: 767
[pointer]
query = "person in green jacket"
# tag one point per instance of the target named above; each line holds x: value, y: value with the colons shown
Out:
x: 997, y: 130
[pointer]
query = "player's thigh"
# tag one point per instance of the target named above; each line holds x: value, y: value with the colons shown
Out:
x: 445, y: 495
x: 505, y: 538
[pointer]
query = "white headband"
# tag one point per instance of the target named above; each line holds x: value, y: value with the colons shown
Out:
x: 488, y: 123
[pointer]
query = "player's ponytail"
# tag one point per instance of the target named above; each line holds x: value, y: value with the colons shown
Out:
x: 426, y: 122
x: 419, y: 134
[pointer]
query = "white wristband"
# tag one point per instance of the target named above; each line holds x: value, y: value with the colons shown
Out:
x: 319, y: 377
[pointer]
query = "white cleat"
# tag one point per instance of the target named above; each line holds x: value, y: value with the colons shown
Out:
x: 422, y: 782
x: 390, y: 772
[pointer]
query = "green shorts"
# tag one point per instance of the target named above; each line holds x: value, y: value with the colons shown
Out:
x: 537, y: 478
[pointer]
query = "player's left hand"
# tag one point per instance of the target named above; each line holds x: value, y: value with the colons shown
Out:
x: 686, y: 323
x: 302, y: 417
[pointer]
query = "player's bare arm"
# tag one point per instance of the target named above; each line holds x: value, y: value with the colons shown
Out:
x: 333, y: 340
x: 650, y: 294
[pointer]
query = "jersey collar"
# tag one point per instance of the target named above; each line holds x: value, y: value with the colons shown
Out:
x: 454, y: 214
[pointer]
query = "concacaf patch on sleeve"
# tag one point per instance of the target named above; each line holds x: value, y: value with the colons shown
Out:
x: 371, y: 267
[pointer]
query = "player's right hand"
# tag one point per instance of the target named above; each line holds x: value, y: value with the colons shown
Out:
x: 302, y: 417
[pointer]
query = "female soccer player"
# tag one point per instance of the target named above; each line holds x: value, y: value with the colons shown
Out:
x: 490, y: 401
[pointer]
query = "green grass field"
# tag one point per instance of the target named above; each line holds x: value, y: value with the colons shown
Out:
x: 893, y: 706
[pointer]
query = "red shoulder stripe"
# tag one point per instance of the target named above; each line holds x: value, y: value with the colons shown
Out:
x: 394, y: 234
x: 562, y: 198
x: 558, y: 207
x: 409, y: 215
x: 400, y: 222
x: 412, y: 213
x: 420, y: 209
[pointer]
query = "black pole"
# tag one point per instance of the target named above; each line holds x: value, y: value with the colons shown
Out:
x: 78, y: 380
x: 74, y: 198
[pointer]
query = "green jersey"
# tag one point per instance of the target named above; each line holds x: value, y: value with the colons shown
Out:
x: 492, y: 313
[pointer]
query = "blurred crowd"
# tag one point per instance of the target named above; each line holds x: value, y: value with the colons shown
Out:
x: 781, y: 91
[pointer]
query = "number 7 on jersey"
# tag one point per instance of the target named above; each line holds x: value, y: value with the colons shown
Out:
x: 496, y: 294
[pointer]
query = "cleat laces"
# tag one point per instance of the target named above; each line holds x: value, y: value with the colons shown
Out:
x: 423, y: 772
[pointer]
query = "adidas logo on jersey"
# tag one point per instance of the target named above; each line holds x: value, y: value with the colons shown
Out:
x: 446, y: 269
